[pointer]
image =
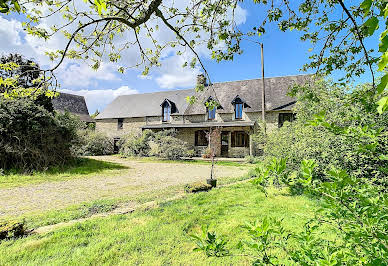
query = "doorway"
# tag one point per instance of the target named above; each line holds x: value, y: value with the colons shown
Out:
x: 224, y: 143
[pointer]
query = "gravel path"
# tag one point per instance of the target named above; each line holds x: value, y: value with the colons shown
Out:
x: 141, y: 177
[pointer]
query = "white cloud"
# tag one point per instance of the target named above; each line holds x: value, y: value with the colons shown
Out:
x: 173, y: 75
x: 9, y: 31
x: 98, y: 99
x: 82, y: 75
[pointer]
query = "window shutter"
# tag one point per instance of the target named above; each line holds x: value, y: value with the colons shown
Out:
x: 233, y: 139
x: 196, y: 138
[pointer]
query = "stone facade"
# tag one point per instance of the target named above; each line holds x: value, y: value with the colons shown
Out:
x: 187, y: 134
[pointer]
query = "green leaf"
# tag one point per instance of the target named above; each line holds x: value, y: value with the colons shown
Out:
x: 383, y: 61
x: 365, y: 6
x: 383, y: 84
x: 372, y: 24
x: 383, y: 45
x: 382, y: 105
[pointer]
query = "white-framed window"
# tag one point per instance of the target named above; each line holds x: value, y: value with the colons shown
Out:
x: 166, y: 112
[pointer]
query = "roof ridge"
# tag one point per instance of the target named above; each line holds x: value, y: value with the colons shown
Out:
x: 155, y: 92
x: 229, y: 81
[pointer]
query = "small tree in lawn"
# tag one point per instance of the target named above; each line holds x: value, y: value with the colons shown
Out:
x: 214, y: 137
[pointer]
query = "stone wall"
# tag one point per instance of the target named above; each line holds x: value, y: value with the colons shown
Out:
x: 134, y: 125
x: 130, y: 125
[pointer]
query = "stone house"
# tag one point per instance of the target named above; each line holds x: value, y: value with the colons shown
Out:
x: 73, y: 104
x: 237, y: 114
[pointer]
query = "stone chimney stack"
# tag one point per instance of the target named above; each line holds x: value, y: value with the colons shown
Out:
x: 201, y: 80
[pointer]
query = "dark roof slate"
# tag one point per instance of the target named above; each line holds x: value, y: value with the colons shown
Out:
x: 250, y: 91
x: 74, y: 104
x: 146, y: 104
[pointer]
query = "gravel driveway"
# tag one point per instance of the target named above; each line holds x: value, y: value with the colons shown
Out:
x: 141, y: 177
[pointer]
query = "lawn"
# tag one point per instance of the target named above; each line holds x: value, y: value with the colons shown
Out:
x: 160, y: 236
x: 78, y: 168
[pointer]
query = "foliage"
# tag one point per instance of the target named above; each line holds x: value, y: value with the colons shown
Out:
x: 92, y: 143
x: 305, y: 139
x: 162, y: 144
x: 197, y: 187
x: 21, y: 77
x: 210, y: 243
x: 33, y: 138
x: 251, y: 159
x: 12, y: 229
x: 337, y: 32
x: 265, y: 237
x: 136, y: 145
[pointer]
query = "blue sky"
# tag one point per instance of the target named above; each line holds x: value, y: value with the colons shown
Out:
x: 284, y: 54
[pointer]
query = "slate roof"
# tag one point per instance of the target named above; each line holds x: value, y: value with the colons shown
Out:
x: 250, y: 92
x: 74, y: 104
x: 146, y: 104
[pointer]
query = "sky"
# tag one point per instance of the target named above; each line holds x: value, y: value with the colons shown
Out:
x: 284, y: 54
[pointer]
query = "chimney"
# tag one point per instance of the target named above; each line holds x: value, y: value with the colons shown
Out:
x: 201, y: 81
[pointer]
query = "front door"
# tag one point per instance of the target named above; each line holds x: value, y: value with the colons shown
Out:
x: 224, y: 143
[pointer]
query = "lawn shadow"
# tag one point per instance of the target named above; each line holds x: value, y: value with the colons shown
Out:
x: 84, y: 166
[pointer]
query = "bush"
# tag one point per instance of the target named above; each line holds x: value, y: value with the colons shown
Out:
x: 197, y: 187
x: 162, y: 144
x: 33, y: 138
x: 91, y: 143
x: 12, y: 229
x: 168, y: 147
x: 328, y: 146
x: 136, y: 145
x: 251, y: 159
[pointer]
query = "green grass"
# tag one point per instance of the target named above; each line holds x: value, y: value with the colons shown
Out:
x: 160, y: 236
x: 80, y: 167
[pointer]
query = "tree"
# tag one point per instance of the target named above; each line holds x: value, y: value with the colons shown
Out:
x: 20, y: 76
x: 336, y: 30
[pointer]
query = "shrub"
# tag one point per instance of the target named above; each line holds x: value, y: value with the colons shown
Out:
x: 136, y: 145
x: 169, y: 147
x: 329, y: 146
x: 33, y: 138
x: 92, y: 143
x: 197, y: 187
x: 162, y: 144
x: 12, y: 229
x: 251, y: 159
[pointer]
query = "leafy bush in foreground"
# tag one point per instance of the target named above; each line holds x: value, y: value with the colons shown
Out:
x: 33, y: 138
x: 345, y: 147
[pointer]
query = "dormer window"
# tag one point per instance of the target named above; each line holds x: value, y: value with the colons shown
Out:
x: 238, y: 110
x: 166, y: 111
x: 211, y: 108
x: 239, y: 104
x: 211, y: 113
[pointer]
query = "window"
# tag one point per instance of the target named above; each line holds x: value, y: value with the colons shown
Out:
x: 116, y: 147
x: 240, y: 139
x: 201, y: 138
x: 283, y: 117
x: 211, y: 113
x: 166, y: 112
x: 120, y: 122
x: 238, y: 110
